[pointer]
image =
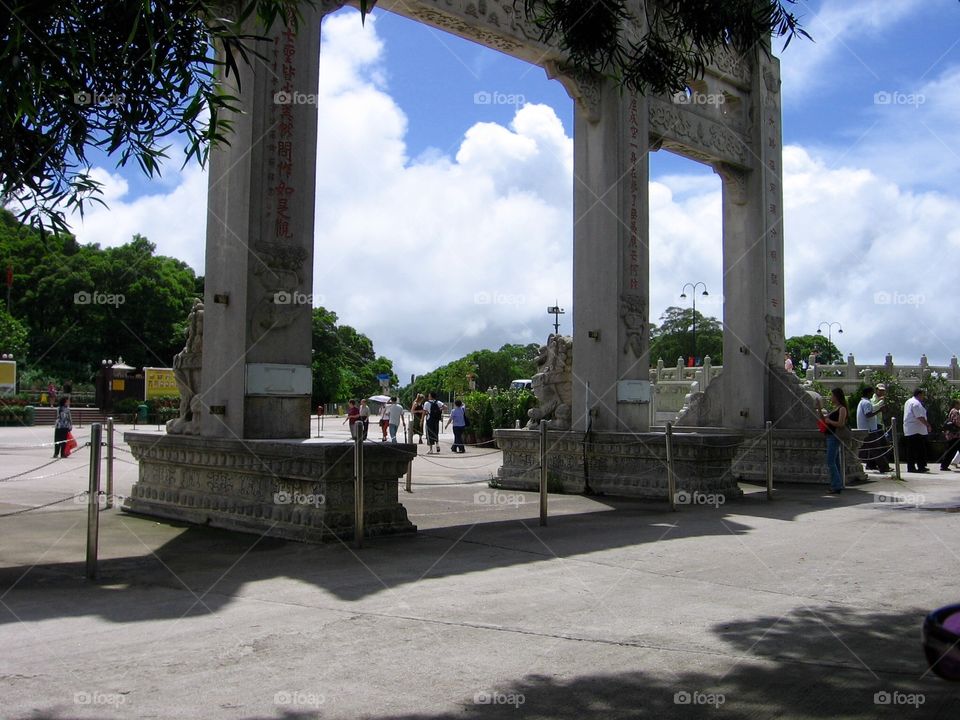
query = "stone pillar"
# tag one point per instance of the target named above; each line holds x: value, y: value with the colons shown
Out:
x: 256, y: 377
x: 610, y: 259
x: 753, y: 341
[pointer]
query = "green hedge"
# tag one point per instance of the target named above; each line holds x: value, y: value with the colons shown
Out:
x: 500, y: 410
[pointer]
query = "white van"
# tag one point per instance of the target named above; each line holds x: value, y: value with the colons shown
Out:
x: 522, y: 385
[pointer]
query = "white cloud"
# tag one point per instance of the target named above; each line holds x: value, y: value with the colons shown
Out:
x: 836, y: 28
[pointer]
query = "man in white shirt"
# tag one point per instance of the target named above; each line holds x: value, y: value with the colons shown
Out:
x: 916, y: 427
x: 872, y: 450
x: 394, y: 413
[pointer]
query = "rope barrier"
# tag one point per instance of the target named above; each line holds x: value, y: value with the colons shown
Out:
x: 45, y: 505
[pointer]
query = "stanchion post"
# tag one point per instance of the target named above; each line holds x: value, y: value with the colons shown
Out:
x: 842, y: 452
x: 109, y: 503
x: 409, y: 487
x: 671, y: 478
x: 543, y: 473
x: 93, y: 501
x: 896, y: 448
x: 358, y: 488
x: 769, y: 460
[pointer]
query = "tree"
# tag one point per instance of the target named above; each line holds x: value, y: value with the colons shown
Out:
x: 82, y: 304
x: 673, y: 338
x: 344, y: 363
x: 801, y: 347
x: 13, y: 336
x: 123, y: 77
x: 669, y: 46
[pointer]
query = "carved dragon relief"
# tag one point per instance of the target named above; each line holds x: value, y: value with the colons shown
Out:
x: 279, y: 273
x: 672, y: 127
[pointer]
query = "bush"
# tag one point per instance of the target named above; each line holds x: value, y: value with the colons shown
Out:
x: 500, y: 410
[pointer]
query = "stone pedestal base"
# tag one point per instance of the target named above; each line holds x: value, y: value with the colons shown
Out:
x: 799, y: 456
x: 294, y: 489
x: 631, y: 464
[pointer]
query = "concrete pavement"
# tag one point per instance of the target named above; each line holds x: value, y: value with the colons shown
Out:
x: 807, y: 606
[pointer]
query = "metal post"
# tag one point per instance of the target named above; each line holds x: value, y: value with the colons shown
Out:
x: 543, y: 473
x: 896, y: 448
x: 769, y: 460
x: 671, y: 479
x: 842, y: 452
x: 93, y: 502
x: 409, y: 487
x: 109, y: 462
x: 358, y: 487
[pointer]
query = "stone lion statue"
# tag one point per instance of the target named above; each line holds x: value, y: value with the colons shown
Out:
x: 553, y: 384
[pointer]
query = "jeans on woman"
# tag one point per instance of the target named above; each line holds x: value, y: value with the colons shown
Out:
x: 833, y: 462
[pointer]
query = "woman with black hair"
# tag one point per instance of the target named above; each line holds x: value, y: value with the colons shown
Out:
x: 64, y: 425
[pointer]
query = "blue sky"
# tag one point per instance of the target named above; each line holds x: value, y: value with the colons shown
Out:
x: 479, y: 194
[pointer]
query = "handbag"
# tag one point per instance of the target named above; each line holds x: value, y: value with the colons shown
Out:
x: 466, y: 419
x: 821, y: 425
x: 70, y: 445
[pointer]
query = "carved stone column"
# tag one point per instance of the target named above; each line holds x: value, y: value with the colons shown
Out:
x: 256, y: 378
x: 610, y: 258
x: 753, y: 264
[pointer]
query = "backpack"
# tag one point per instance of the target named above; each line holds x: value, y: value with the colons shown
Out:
x: 436, y: 411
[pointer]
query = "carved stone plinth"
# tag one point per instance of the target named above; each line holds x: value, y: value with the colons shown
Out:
x: 631, y: 464
x: 293, y: 489
x: 798, y: 456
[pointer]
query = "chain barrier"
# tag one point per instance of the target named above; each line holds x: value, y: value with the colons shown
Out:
x: 39, y: 467
x: 45, y: 505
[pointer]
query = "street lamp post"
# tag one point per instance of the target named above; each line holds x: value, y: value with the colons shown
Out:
x: 693, y: 292
x: 556, y: 311
x: 829, y: 330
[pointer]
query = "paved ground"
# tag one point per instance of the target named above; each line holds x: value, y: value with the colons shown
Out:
x: 808, y: 606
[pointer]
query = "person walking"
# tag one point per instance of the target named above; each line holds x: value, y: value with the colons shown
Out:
x: 353, y: 416
x: 434, y: 416
x: 63, y: 426
x: 458, y: 417
x: 916, y: 427
x: 837, y: 430
x: 951, y: 433
x: 395, y: 418
x: 365, y: 417
x: 384, y: 422
x: 416, y: 418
